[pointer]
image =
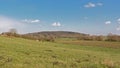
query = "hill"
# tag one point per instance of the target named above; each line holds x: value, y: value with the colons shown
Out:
x: 58, y: 34
x: 51, y: 35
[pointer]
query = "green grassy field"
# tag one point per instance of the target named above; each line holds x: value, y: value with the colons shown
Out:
x: 23, y: 53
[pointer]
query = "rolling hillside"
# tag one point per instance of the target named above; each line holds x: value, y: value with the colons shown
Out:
x: 23, y: 53
x: 58, y: 34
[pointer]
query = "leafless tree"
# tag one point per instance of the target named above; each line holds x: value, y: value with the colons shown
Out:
x: 13, y: 31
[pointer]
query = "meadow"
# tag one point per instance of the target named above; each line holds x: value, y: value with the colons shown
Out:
x: 24, y: 53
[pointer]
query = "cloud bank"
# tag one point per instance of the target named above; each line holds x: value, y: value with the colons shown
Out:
x: 8, y: 23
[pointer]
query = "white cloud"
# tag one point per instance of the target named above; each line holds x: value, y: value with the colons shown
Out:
x: 99, y: 4
x: 59, y: 24
x: 56, y: 24
x: 92, y: 5
x: 31, y: 21
x: 8, y: 23
x: 118, y: 28
x: 108, y: 22
x: 118, y: 20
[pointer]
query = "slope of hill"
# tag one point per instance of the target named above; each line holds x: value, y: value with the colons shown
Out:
x: 58, y: 34
x: 23, y: 53
x: 52, y: 35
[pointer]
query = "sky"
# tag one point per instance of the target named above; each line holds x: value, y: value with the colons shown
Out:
x: 85, y: 16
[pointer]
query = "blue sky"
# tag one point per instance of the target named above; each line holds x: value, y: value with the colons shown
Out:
x: 84, y: 16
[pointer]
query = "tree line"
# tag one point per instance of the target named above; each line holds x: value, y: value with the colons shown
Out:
x: 51, y: 36
x: 109, y: 37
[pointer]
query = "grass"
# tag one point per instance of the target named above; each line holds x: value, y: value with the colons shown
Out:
x: 23, y: 53
x: 89, y: 43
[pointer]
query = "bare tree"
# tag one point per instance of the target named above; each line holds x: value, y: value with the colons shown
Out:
x: 13, y: 31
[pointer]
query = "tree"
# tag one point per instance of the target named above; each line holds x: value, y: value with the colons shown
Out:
x: 13, y: 31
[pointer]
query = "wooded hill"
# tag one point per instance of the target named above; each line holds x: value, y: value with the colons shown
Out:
x: 51, y: 35
x: 57, y: 34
